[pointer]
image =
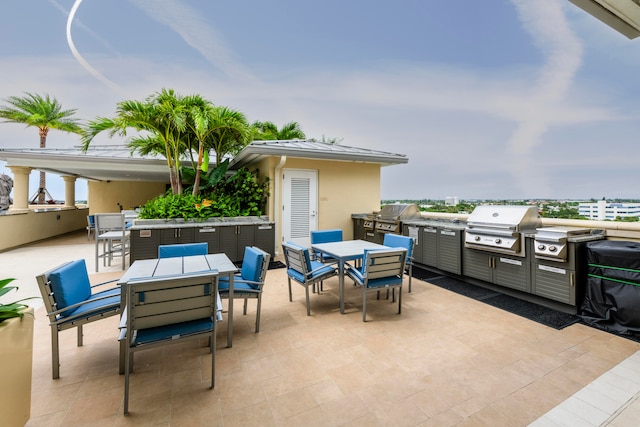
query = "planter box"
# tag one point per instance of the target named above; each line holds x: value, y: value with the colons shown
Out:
x: 16, y: 355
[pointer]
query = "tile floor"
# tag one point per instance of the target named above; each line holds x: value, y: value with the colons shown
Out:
x: 446, y: 360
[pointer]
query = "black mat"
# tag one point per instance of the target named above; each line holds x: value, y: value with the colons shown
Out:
x: 273, y: 265
x: 546, y: 316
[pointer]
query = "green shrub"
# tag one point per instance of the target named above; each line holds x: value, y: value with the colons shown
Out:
x: 238, y: 195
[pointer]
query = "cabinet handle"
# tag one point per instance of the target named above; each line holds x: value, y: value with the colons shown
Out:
x: 572, y: 279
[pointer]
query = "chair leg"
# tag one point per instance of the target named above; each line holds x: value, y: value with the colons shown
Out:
x: 290, y: 296
x: 212, y: 341
x: 258, y: 312
x: 79, y: 328
x: 364, y: 303
x: 127, y: 371
x: 306, y: 290
x: 55, y: 354
x: 399, y: 299
x: 244, y: 311
x: 410, y: 275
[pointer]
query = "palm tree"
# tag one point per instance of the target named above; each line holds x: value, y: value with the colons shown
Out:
x: 44, y: 113
x: 269, y: 131
x: 163, y: 116
x: 175, y: 125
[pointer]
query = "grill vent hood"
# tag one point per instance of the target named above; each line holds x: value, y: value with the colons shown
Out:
x: 511, y: 217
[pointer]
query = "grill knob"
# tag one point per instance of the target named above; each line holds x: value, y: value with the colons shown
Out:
x: 541, y: 247
x: 498, y: 241
x: 477, y: 238
x: 552, y: 249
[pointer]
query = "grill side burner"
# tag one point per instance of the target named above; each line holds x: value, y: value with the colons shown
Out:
x: 551, y: 242
x: 500, y: 228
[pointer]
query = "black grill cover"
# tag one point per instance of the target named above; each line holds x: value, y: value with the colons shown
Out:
x: 612, y: 295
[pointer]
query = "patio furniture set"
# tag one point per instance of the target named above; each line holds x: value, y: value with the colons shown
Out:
x: 177, y: 296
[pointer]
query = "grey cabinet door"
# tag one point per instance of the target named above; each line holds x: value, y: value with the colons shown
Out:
x: 209, y: 235
x: 234, y: 238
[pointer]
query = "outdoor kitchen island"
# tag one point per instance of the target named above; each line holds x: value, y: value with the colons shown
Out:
x: 505, y: 249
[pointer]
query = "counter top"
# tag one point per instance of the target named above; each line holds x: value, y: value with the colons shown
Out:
x: 146, y: 224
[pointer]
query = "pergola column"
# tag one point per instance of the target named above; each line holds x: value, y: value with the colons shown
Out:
x: 69, y: 190
x: 20, y: 187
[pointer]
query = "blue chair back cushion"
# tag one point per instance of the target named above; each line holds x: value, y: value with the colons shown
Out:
x: 70, y: 284
x: 397, y: 241
x: 180, y: 250
x: 326, y: 236
x: 252, y: 264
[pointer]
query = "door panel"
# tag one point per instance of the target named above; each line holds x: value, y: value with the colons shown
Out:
x: 300, y: 204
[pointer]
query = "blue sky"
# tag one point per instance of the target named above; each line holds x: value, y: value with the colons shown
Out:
x: 498, y: 99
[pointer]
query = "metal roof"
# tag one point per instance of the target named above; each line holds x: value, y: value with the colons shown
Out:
x: 314, y: 150
x: 116, y: 163
x: 99, y: 163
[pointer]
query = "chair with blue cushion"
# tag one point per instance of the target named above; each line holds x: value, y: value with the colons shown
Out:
x: 325, y: 236
x: 303, y: 270
x: 250, y: 281
x: 381, y: 269
x: 70, y: 302
x: 183, y: 249
x: 406, y: 242
x: 168, y: 310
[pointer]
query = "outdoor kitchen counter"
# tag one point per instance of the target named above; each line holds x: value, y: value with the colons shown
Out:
x: 146, y: 224
x: 452, y: 224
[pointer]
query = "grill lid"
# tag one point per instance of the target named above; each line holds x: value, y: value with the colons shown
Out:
x: 507, y: 217
x: 398, y: 212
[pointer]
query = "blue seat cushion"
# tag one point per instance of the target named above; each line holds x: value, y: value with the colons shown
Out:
x: 70, y: 284
x: 169, y: 332
x: 323, y: 271
x: 96, y: 306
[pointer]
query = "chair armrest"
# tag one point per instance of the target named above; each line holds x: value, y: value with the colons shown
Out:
x: 79, y: 304
x: 104, y: 283
x: 325, y: 265
x: 123, y: 319
x: 248, y: 282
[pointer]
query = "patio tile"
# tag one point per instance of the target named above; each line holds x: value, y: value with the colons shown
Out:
x: 446, y: 360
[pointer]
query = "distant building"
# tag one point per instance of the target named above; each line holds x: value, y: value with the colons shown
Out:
x: 603, y: 210
x: 451, y: 201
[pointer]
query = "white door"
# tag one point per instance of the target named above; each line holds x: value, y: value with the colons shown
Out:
x: 300, y: 205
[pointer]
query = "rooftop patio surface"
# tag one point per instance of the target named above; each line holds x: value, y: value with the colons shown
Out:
x: 446, y: 360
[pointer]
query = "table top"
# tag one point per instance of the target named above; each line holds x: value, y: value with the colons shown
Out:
x: 346, y: 249
x: 179, y: 265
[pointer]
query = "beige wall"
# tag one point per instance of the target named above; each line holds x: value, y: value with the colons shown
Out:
x: 27, y: 227
x: 105, y: 196
x: 344, y: 188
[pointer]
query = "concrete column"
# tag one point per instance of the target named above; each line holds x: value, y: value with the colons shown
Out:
x: 20, y: 187
x: 69, y: 190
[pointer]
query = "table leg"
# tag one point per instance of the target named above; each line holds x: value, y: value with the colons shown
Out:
x: 230, y: 313
x: 341, y: 284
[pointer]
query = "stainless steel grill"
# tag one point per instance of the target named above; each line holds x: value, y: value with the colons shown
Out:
x: 501, y: 228
x: 388, y: 220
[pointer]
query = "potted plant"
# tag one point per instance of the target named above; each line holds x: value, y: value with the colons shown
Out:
x: 16, y: 353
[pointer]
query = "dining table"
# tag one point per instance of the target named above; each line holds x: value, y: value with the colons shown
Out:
x: 343, y: 251
x: 158, y: 267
